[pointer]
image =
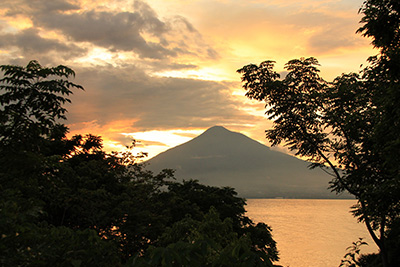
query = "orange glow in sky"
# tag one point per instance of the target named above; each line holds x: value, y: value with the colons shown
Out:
x: 164, y: 71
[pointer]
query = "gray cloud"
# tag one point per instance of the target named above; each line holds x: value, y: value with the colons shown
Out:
x: 149, y: 18
x: 115, y: 31
x: 127, y: 140
x: 124, y: 140
x: 153, y: 102
x: 34, y: 7
x: 122, y: 89
x: 31, y: 43
x: 140, y: 31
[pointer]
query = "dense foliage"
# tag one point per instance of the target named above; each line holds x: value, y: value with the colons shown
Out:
x: 349, y: 127
x: 65, y: 202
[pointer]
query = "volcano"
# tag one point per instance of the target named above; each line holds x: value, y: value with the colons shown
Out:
x: 220, y: 157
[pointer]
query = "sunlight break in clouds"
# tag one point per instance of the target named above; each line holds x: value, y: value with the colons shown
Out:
x: 170, y: 66
x: 170, y: 138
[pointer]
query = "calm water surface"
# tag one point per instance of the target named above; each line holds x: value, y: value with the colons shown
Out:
x: 308, y: 232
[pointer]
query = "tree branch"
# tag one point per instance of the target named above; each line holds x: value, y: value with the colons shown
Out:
x: 331, y: 165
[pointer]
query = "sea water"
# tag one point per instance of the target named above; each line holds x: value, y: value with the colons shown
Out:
x: 310, y: 232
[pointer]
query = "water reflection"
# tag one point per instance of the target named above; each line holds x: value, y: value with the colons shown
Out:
x: 309, y: 232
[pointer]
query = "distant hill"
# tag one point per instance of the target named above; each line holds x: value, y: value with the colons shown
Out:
x: 220, y: 157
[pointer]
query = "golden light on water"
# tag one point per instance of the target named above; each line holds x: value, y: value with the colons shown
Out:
x: 310, y: 233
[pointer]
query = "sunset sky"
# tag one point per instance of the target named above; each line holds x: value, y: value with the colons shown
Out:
x: 163, y: 71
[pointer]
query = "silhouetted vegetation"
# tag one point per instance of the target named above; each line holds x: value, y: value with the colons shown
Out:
x: 350, y: 127
x: 66, y: 202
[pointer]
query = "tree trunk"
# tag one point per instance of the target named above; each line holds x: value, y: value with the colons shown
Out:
x: 384, y: 257
x: 380, y: 242
x: 383, y: 251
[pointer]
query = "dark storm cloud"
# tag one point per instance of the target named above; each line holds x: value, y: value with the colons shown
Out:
x: 153, y: 102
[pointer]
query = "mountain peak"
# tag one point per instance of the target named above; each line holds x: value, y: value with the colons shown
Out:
x: 216, y: 129
x: 216, y: 132
x: 221, y: 157
x: 220, y: 136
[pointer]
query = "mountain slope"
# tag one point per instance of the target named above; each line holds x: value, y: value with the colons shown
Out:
x: 220, y: 157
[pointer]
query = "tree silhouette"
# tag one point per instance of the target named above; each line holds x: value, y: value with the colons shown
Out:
x: 66, y: 202
x: 348, y: 127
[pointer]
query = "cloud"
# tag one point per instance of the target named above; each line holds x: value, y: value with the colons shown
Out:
x: 152, y: 102
x: 117, y: 32
x: 145, y: 143
x: 325, y: 32
x: 190, y: 135
x: 34, y: 7
x: 127, y: 140
x: 283, y: 28
x: 120, y: 49
x: 331, y: 39
x: 139, y: 29
x: 30, y: 42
